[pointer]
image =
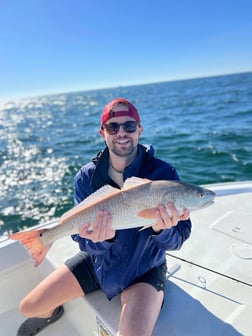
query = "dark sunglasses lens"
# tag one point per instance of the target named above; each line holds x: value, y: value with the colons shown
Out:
x: 112, y: 128
x: 128, y: 126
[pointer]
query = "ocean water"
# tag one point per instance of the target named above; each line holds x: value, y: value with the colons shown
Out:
x: 201, y: 126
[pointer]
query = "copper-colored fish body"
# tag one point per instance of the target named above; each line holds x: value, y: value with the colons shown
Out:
x: 132, y: 206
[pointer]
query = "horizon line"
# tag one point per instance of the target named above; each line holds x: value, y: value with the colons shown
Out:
x: 17, y: 97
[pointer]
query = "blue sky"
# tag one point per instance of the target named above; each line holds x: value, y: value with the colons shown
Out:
x: 53, y: 46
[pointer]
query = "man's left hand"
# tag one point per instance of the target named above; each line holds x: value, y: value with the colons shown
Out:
x: 166, y: 219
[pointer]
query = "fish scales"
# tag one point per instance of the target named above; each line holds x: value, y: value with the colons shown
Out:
x: 123, y: 207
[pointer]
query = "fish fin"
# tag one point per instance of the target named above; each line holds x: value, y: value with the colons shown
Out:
x: 99, y: 195
x: 133, y: 182
x: 148, y: 213
x: 33, y: 244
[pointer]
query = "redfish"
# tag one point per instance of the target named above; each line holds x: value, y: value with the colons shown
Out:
x: 134, y: 205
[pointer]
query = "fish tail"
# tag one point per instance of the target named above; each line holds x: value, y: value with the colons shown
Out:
x: 33, y: 244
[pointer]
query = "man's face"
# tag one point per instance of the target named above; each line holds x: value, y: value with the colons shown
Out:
x: 122, y: 143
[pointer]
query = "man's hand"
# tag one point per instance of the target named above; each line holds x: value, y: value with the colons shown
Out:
x: 167, y: 219
x: 101, y: 229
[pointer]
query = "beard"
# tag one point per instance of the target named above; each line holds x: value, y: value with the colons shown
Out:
x: 123, y: 147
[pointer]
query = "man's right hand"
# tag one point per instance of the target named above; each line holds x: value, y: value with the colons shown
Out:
x: 101, y: 229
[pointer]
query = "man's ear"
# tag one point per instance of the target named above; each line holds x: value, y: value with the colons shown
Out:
x: 140, y: 130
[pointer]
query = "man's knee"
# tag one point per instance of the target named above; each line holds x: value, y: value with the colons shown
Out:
x: 33, y: 309
x: 26, y: 308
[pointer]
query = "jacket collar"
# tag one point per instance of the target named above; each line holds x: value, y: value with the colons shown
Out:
x: 101, y: 160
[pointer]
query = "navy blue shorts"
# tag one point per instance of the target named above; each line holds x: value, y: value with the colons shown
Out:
x: 81, y: 267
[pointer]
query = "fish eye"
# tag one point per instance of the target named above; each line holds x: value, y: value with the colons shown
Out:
x: 201, y: 195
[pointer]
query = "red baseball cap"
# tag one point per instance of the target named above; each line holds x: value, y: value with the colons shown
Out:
x: 108, y: 113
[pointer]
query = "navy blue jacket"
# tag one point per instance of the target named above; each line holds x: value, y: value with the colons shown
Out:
x: 131, y: 253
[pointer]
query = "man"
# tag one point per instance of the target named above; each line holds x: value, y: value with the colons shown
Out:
x: 126, y: 262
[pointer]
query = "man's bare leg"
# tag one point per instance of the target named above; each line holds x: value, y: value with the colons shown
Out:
x: 59, y: 287
x: 141, y: 304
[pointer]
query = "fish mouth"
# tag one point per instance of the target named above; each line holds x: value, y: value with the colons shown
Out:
x: 208, y: 204
x: 211, y: 194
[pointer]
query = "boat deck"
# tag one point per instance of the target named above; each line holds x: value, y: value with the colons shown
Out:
x: 209, y: 281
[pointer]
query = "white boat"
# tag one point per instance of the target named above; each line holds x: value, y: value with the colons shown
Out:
x: 209, y: 281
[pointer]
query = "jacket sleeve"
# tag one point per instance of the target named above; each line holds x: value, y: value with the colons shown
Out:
x: 173, y: 238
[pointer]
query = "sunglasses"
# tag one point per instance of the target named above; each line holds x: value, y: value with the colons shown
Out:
x: 128, y: 126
